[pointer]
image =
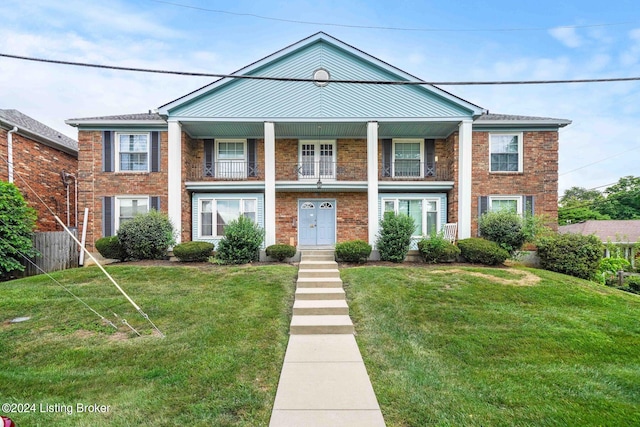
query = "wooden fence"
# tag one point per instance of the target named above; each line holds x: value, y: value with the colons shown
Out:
x: 622, y: 275
x: 57, y: 251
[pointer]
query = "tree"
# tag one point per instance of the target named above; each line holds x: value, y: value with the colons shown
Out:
x: 623, y: 199
x: 580, y: 196
x: 574, y: 215
x: 17, y: 222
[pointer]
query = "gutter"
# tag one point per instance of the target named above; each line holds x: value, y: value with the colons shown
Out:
x: 10, y: 151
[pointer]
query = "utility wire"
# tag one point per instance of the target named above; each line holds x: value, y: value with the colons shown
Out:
x: 598, y: 161
x: 374, y: 27
x: 296, y: 79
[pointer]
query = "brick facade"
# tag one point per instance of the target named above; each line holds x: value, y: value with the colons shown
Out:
x: 351, y: 215
x: 539, y: 177
x: 40, y: 166
x: 96, y: 184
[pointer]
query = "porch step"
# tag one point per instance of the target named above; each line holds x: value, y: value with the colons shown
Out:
x: 318, y: 272
x: 319, y: 294
x: 320, y: 307
x: 319, y: 282
x: 321, y: 324
x: 318, y: 264
x: 326, y: 255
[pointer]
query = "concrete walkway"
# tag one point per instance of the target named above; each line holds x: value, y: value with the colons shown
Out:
x: 324, y: 381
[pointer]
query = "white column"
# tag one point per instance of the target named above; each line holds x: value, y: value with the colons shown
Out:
x: 464, y: 179
x: 174, y: 177
x: 372, y: 177
x: 269, y: 183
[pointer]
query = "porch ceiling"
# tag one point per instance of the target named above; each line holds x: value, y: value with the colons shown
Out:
x: 387, y: 129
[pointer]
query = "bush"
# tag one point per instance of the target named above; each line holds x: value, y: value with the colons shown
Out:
x: 482, y: 251
x: 17, y: 222
x: 436, y: 249
x: 394, y: 239
x: 504, y: 227
x: 241, y: 242
x: 280, y: 251
x: 572, y: 254
x: 634, y: 284
x: 110, y: 247
x: 353, y: 251
x: 613, y: 265
x: 147, y: 236
x: 193, y: 251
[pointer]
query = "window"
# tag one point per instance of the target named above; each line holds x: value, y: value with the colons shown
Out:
x: 505, y: 152
x: 231, y: 155
x: 407, y: 157
x: 509, y: 203
x: 128, y: 207
x: 216, y: 214
x: 425, y: 213
x: 317, y: 160
x: 133, y: 152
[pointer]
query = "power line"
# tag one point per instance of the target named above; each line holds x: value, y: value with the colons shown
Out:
x: 598, y: 161
x: 374, y: 27
x: 296, y: 79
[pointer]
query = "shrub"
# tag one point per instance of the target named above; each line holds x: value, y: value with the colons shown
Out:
x: 17, y: 221
x: 147, y: 236
x: 280, y: 251
x: 241, y: 242
x: 110, y: 247
x: 482, y: 251
x: 572, y: 254
x: 504, y: 227
x: 353, y: 251
x: 613, y: 265
x: 634, y: 284
x: 436, y: 249
x: 394, y: 239
x: 193, y: 251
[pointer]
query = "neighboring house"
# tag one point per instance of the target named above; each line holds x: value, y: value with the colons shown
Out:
x: 34, y: 155
x: 316, y: 162
x: 625, y: 234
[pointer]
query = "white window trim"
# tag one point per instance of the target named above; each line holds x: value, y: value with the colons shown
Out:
x: 518, y: 199
x: 424, y: 210
x: 520, y: 136
x: 214, y: 210
x: 218, y: 161
x: 316, y: 160
x: 117, y: 151
x: 118, y: 200
x: 420, y: 143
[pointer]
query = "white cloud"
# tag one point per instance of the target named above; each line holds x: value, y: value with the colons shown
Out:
x: 567, y: 36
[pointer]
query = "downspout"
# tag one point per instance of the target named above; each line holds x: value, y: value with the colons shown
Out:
x: 10, y: 151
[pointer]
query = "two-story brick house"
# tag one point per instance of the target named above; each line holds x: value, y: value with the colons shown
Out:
x: 317, y: 155
x: 34, y: 157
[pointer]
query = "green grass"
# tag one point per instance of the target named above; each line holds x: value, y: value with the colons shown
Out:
x: 226, y: 332
x: 474, y: 347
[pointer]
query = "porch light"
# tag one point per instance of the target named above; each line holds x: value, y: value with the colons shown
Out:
x: 319, y: 184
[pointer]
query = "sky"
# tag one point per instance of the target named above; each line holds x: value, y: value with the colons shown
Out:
x: 460, y: 40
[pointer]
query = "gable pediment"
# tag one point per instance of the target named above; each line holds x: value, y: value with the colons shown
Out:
x: 231, y: 98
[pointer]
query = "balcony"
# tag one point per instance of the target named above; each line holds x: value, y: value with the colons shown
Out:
x: 321, y: 170
x: 415, y: 170
x: 229, y: 170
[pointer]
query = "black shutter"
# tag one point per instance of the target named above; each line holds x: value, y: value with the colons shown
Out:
x: 209, y: 157
x: 107, y: 151
x: 107, y: 216
x: 155, y: 151
x: 252, y: 164
x: 429, y: 157
x: 528, y: 208
x: 155, y: 203
x: 483, y: 206
x: 386, y: 157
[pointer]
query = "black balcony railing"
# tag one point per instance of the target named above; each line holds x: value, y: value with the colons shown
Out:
x: 312, y: 171
x: 229, y: 170
x: 416, y: 170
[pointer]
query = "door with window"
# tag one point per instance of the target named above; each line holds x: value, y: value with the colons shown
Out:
x: 317, y: 160
x: 317, y: 222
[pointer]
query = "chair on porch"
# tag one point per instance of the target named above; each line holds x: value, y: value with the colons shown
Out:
x: 450, y: 231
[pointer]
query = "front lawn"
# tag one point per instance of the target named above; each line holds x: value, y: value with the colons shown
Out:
x: 496, y: 347
x: 226, y: 332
